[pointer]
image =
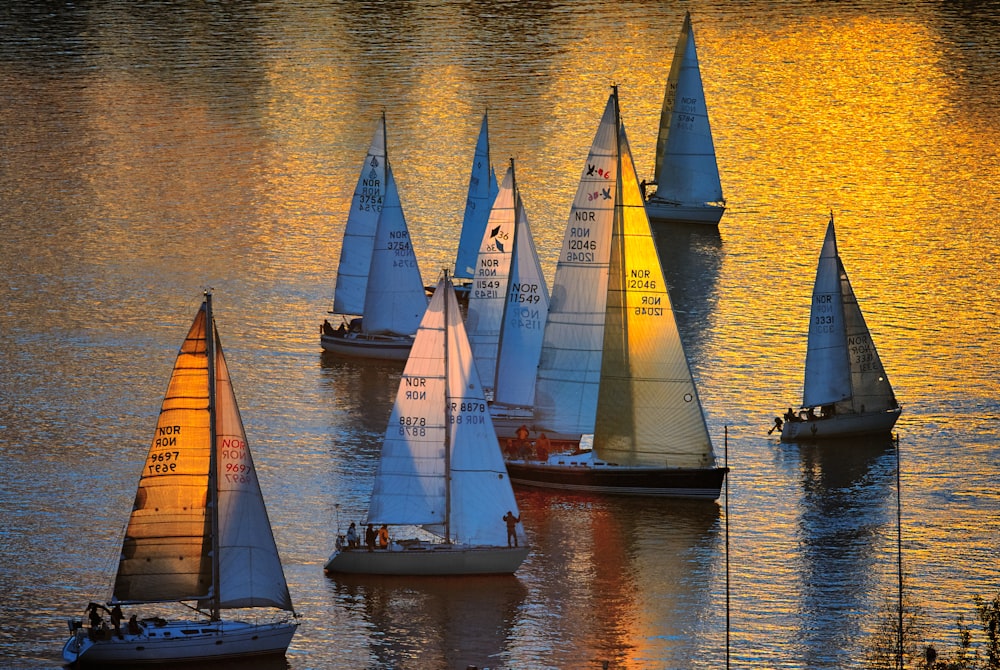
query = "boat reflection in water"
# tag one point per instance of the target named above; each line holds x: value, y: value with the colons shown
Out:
x: 434, y: 622
x: 849, y: 495
x: 624, y: 579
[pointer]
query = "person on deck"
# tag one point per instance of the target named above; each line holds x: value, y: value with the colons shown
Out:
x: 383, y: 537
x: 511, y: 522
x: 370, y: 537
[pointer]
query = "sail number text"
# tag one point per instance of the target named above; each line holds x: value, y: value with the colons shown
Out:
x: 823, y: 318
x: 580, y: 247
x: 162, y: 460
x: 468, y: 412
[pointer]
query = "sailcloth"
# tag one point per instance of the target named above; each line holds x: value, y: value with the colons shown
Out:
x: 686, y: 169
x: 482, y: 191
x: 648, y: 412
x: 569, y: 369
x: 166, y: 554
x: 842, y: 364
x: 523, y: 325
x: 489, y: 288
x: 359, y: 233
x: 395, y: 298
x: 440, y: 466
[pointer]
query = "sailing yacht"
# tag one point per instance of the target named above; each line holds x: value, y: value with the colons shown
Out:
x: 379, y: 294
x: 686, y: 174
x: 482, y: 192
x: 198, y: 533
x: 440, y: 474
x: 612, y: 363
x: 846, y: 391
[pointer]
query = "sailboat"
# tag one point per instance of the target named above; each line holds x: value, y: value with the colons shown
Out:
x: 507, y: 308
x: 379, y: 293
x: 440, y: 470
x: 483, y: 190
x: 198, y: 532
x: 686, y: 174
x: 612, y: 363
x: 846, y: 391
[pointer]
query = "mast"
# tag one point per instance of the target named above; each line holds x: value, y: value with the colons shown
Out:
x: 495, y: 372
x: 618, y: 233
x: 448, y: 425
x: 213, y: 484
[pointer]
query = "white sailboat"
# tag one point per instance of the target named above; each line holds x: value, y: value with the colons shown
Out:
x: 440, y: 472
x: 846, y: 391
x: 686, y: 174
x: 507, y: 308
x: 612, y: 362
x: 482, y: 192
x: 198, y: 532
x: 379, y: 293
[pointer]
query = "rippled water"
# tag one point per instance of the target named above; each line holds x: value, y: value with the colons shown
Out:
x: 148, y: 151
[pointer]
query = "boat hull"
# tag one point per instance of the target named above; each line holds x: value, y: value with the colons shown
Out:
x: 840, y: 425
x: 588, y: 476
x: 177, y: 641
x: 663, y: 210
x: 427, y: 560
x: 393, y: 348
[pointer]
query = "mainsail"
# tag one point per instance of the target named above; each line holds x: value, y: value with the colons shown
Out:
x: 488, y: 294
x: 359, y: 233
x: 569, y: 370
x: 482, y: 192
x: 686, y: 170
x: 440, y: 466
x: 172, y: 535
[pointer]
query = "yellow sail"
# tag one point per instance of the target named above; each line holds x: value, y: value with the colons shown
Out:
x: 648, y: 412
x: 165, y: 555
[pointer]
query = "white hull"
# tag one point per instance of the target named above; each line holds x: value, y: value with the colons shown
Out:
x: 663, y: 210
x: 386, y: 347
x: 178, y: 641
x: 840, y: 425
x: 427, y: 559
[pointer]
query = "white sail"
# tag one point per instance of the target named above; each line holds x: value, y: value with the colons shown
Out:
x: 359, y: 233
x: 686, y: 169
x: 250, y: 572
x: 569, y: 370
x: 524, y: 319
x: 395, y: 298
x: 871, y: 390
x: 482, y: 191
x: 648, y: 412
x: 828, y: 372
x: 168, y: 546
x: 440, y: 466
x: 488, y: 294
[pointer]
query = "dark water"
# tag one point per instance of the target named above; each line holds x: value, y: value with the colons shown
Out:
x: 148, y: 151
